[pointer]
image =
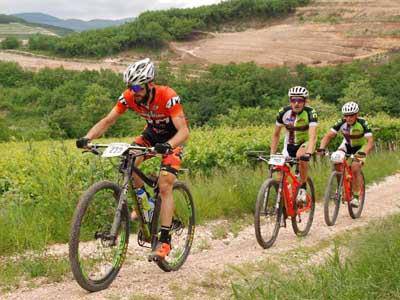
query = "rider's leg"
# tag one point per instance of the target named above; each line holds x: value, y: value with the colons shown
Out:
x: 138, y: 183
x: 165, y: 184
x: 356, y: 170
x: 169, y: 169
x: 303, y: 165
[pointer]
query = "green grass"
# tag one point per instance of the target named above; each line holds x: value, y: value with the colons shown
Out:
x: 41, y: 183
x: 368, y: 271
x: 232, y: 193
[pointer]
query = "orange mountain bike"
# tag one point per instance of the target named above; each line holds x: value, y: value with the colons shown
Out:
x: 339, y: 189
x: 276, y: 200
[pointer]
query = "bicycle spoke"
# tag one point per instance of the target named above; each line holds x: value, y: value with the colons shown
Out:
x: 182, y: 229
x: 95, y: 256
x: 267, y: 215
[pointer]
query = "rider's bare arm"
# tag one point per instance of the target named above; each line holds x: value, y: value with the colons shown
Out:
x: 370, y: 144
x: 312, y: 140
x: 182, y: 133
x: 102, y: 126
x: 326, y: 139
x: 275, y: 139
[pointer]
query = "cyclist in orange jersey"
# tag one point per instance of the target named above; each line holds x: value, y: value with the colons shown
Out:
x: 166, y: 130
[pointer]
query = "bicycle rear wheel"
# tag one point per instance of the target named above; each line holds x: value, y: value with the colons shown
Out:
x: 302, y: 222
x: 267, y: 215
x: 332, y: 198
x: 355, y: 212
x: 182, y: 228
x: 95, y: 260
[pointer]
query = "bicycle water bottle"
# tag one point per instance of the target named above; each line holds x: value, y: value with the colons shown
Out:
x: 147, y: 205
x: 151, y: 210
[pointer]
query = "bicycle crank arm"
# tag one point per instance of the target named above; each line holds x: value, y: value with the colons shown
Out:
x: 152, y: 257
x: 106, y: 237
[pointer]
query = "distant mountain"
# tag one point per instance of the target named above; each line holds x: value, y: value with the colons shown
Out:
x: 14, y: 26
x: 74, y: 24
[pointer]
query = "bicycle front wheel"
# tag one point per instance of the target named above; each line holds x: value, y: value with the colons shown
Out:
x: 267, y: 214
x: 302, y: 222
x: 332, y: 198
x: 182, y: 228
x: 96, y: 258
x: 355, y: 212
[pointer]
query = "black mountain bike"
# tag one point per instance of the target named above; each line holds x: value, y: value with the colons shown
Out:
x: 101, y: 223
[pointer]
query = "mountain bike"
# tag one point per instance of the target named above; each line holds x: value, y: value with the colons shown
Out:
x: 101, y: 223
x: 276, y: 200
x: 339, y: 189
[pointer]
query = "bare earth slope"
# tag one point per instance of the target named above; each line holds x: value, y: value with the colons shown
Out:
x: 325, y: 32
x: 138, y: 277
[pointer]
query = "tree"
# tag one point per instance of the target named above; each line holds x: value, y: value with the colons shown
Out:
x: 361, y: 92
x: 10, y: 42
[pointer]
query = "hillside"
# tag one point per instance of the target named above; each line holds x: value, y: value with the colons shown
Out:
x: 73, y: 24
x: 15, y: 26
x: 325, y: 32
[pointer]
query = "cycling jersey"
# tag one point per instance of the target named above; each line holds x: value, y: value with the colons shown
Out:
x: 164, y: 105
x: 354, y: 135
x: 297, y: 124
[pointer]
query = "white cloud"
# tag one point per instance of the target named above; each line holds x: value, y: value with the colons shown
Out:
x: 94, y: 9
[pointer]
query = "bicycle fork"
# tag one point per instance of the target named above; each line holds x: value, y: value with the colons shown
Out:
x: 282, y: 217
x: 117, y: 218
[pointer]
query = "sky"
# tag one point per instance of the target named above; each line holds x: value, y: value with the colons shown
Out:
x: 94, y: 9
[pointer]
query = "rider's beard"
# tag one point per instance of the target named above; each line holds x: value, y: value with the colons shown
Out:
x: 144, y: 100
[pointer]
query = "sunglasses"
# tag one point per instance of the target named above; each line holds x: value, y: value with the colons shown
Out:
x: 137, y: 87
x: 352, y: 115
x: 299, y: 100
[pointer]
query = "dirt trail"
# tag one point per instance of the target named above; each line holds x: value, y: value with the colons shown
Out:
x: 137, y: 275
x: 35, y: 62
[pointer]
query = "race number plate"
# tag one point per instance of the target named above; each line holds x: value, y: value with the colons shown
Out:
x: 115, y: 149
x: 277, y: 160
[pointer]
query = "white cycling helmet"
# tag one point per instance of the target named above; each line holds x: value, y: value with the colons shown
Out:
x: 298, y: 91
x: 140, y: 72
x: 350, y: 108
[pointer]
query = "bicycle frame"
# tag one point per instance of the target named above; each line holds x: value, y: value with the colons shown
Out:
x: 347, y: 179
x: 128, y: 168
x: 289, y: 193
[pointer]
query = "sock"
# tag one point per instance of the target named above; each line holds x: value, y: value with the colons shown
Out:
x: 165, y: 237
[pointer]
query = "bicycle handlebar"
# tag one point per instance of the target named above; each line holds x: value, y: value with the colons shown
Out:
x: 260, y: 155
x: 132, y: 147
x: 93, y: 148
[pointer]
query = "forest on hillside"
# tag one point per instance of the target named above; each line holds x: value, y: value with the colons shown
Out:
x: 154, y: 28
x: 58, y: 103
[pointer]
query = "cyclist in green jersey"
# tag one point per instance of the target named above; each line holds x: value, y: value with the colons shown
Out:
x: 301, y: 123
x: 358, y: 140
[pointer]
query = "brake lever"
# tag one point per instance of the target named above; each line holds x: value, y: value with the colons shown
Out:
x: 92, y: 150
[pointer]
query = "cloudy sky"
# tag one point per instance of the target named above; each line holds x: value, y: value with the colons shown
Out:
x: 94, y: 9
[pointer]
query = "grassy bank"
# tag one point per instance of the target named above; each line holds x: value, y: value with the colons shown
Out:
x: 368, y: 269
x: 41, y: 182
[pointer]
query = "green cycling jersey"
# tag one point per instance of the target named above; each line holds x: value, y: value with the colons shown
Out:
x: 354, y: 135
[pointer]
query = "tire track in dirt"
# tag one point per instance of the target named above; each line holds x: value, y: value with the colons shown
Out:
x: 140, y: 277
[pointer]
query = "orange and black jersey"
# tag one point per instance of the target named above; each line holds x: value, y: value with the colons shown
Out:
x: 164, y: 105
